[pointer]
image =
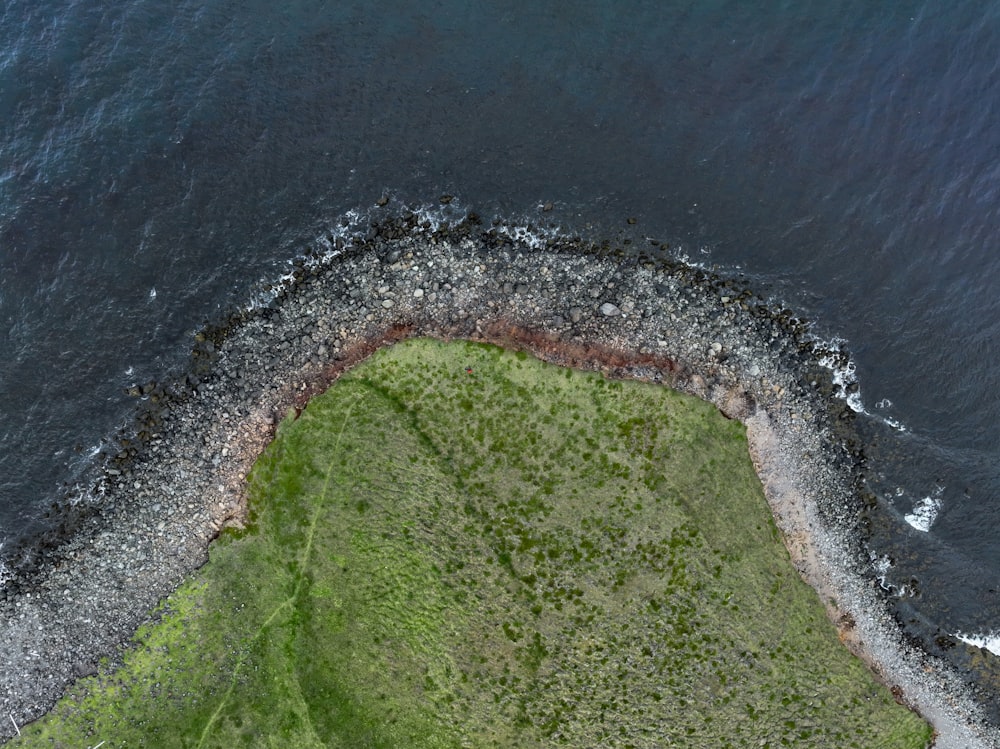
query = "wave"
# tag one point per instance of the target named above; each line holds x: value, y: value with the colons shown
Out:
x: 989, y: 642
x: 925, y: 512
x: 835, y: 356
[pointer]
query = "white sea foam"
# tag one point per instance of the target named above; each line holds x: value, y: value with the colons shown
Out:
x: 845, y: 379
x: 533, y: 236
x: 925, y: 512
x: 325, y: 244
x: 881, y: 566
x: 353, y: 224
x: 439, y: 215
x: 991, y: 641
x: 681, y: 256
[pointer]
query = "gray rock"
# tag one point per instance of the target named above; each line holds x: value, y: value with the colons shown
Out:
x: 610, y: 310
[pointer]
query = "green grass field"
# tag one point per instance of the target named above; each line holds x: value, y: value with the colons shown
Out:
x: 458, y: 546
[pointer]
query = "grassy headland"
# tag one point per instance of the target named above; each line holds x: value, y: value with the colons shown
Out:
x: 461, y: 546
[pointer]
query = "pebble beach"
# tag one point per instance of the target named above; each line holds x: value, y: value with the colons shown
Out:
x: 178, y: 478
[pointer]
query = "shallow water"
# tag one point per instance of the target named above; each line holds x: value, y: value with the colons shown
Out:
x: 160, y: 161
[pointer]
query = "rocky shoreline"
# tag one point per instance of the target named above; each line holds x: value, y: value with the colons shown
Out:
x: 178, y: 481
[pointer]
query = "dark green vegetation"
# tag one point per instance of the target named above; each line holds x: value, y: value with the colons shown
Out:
x: 458, y: 546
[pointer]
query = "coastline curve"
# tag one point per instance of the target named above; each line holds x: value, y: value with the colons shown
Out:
x: 165, y: 496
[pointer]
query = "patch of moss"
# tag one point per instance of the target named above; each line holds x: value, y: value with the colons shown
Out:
x: 460, y: 546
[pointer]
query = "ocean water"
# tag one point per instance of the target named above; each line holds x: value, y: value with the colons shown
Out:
x: 159, y: 161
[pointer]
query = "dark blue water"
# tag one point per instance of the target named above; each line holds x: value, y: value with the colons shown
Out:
x: 160, y: 159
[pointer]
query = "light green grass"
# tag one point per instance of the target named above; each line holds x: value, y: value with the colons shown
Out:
x: 517, y: 556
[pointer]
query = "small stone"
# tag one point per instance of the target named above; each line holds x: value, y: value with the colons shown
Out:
x: 387, y: 303
x: 575, y: 314
x: 610, y: 310
x: 418, y: 293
